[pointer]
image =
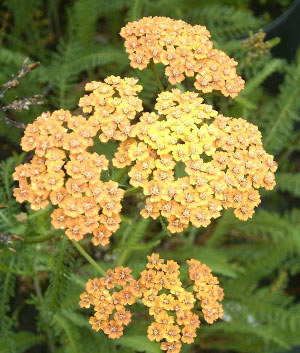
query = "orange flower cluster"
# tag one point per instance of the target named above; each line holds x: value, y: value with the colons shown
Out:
x: 112, y: 105
x: 223, y: 158
x: 109, y: 304
x: 224, y: 162
x: 175, y: 320
x: 208, y: 290
x: 185, y: 50
x: 63, y: 172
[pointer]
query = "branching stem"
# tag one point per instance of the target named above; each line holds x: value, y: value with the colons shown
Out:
x: 132, y: 191
x: 290, y: 149
x: 40, y: 238
x: 121, y: 173
x: 156, y: 76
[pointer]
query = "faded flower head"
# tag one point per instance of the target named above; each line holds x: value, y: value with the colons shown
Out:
x: 174, y: 309
x: 256, y: 45
x: 185, y: 50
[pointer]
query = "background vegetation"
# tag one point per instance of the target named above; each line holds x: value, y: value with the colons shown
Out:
x: 257, y: 261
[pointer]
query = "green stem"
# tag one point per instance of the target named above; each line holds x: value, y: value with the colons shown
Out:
x: 132, y: 191
x: 93, y: 262
x: 121, y: 173
x: 88, y: 257
x: 39, y: 295
x: 40, y: 238
x: 169, y: 86
x: 153, y: 68
x: 124, y: 256
x: 131, y: 236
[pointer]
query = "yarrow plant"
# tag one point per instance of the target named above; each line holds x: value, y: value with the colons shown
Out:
x: 185, y: 50
x: 224, y: 165
x: 175, y: 314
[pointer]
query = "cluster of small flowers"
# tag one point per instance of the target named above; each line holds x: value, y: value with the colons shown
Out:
x: 109, y: 303
x: 64, y: 172
x: 185, y: 50
x: 174, y: 319
x: 208, y: 290
x: 111, y: 105
x: 224, y: 162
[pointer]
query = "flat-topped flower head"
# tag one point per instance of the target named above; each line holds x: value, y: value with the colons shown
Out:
x: 185, y: 50
x: 173, y: 308
x: 223, y: 158
x: 175, y: 318
x: 110, y: 305
x: 65, y: 174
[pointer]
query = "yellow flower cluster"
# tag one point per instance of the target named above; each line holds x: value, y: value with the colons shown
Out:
x: 63, y: 172
x: 110, y: 304
x: 223, y: 157
x: 175, y: 318
x: 112, y: 105
x: 185, y: 50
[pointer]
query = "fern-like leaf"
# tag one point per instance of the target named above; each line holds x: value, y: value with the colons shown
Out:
x: 280, y: 116
x: 288, y: 182
x: 59, y: 277
x: 19, y: 342
x: 7, y: 287
x: 233, y: 23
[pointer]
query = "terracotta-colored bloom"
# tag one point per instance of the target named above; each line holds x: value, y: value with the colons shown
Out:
x: 113, y: 329
x: 172, y: 307
x: 185, y: 50
x: 110, y: 296
x: 64, y: 173
x: 208, y: 290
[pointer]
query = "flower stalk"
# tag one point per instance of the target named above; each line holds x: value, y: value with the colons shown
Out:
x: 156, y: 76
x: 88, y: 257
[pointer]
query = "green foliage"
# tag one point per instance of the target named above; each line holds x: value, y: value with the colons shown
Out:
x: 256, y: 81
x: 279, y: 119
x: 233, y: 23
x: 139, y: 343
x: 289, y: 182
x: 59, y: 278
x: 21, y: 342
x: 6, y: 199
x: 7, y: 290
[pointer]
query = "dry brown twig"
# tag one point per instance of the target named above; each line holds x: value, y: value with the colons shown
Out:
x: 7, y: 239
x: 19, y: 104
